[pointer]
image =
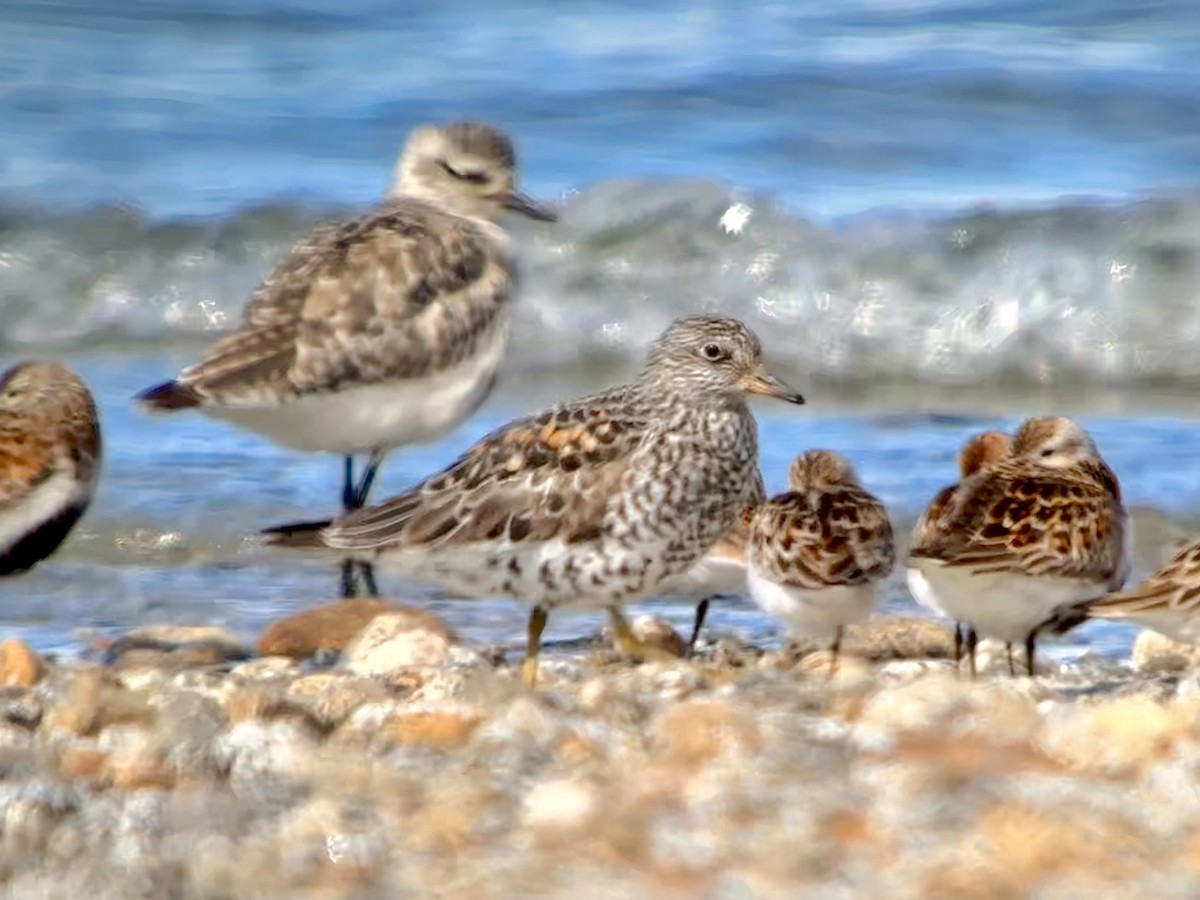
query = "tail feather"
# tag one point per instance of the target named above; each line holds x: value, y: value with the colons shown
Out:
x: 168, y: 397
x: 1067, y: 618
x: 298, y: 535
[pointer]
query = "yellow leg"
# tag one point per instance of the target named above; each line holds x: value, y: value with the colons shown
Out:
x: 533, y: 638
x: 628, y: 643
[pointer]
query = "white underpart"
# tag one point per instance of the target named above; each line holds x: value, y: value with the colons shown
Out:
x: 1004, y: 605
x: 712, y: 575
x: 1178, y: 625
x: 922, y: 592
x: 50, y: 498
x: 358, y: 419
x: 818, y: 613
x: 482, y: 570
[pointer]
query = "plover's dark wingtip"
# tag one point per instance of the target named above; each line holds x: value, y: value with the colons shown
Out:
x: 168, y: 397
x: 297, y: 535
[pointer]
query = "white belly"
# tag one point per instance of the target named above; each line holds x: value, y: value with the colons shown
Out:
x: 711, y: 576
x: 817, y: 613
x: 1003, y: 605
x: 50, y: 498
x: 921, y: 591
x: 358, y: 419
x: 548, y: 574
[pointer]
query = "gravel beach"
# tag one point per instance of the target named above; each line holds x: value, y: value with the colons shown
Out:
x: 180, y: 764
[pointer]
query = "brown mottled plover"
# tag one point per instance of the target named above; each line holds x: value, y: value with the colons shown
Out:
x: 382, y: 331
x: 596, y: 502
x: 49, y: 460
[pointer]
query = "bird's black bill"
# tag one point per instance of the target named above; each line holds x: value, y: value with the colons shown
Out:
x: 519, y: 203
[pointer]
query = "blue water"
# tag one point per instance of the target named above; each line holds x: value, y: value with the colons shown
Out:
x: 981, y: 209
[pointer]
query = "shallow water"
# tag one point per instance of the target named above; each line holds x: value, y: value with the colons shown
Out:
x: 941, y: 216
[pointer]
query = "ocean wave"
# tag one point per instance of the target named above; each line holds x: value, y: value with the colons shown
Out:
x: 1078, y: 292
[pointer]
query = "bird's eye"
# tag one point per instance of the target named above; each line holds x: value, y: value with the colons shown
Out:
x: 713, y: 352
x: 1049, y: 451
x: 470, y: 176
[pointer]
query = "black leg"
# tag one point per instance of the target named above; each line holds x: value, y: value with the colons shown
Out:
x: 701, y: 612
x: 972, y: 643
x: 349, y: 582
x: 834, y: 650
x: 1030, y: 649
x: 368, y: 579
x: 368, y: 479
x: 348, y: 491
x: 958, y: 645
x: 1008, y: 649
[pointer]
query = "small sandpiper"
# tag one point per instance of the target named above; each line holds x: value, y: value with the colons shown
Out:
x: 820, y: 553
x: 1167, y: 602
x: 49, y: 460
x: 382, y: 331
x: 1030, y: 540
x: 980, y: 450
x: 596, y: 502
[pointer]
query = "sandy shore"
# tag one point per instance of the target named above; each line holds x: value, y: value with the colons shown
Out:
x: 413, y: 766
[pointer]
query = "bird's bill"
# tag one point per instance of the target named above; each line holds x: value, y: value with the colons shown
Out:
x: 517, y: 202
x: 760, y: 381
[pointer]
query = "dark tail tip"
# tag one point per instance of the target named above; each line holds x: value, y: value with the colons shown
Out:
x: 168, y: 397
x: 297, y: 536
x: 1066, y: 619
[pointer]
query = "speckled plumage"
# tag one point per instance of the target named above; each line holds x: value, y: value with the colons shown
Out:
x: 979, y: 451
x: 598, y: 501
x: 49, y: 460
x: 381, y: 331
x: 1030, y: 536
x: 820, y: 552
x: 1168, y: 601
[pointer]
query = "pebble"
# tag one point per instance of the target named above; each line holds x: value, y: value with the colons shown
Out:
x: 396, y: 641
x: 330, y: 626
x: 19, y: 664
x: 1157, y: 654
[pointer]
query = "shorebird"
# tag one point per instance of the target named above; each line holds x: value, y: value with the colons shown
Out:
x: 382, y: 331
x: 1030, y: 539
x: 49, y: 460
x: 1167, y: 602
x: 981, y: 450
x: 722, y: 570
x: 820, y: 552
x: 596, y: 502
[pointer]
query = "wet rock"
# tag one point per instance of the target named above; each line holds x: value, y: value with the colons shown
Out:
x: 438, y: 730
x: 265, y: 669
x: 884, y: 638
x: 176, y: 647
x: 332, y: 697
x: 398, y: 640
x: 92, y: 700
x: 656, y: 633
x: 19, y: 664
x: 327, y: 627
x: 1157, y: 654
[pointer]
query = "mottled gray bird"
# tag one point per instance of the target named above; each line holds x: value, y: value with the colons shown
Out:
x: 49, y: 460
x: 382, y: 331
x: 596, y: 502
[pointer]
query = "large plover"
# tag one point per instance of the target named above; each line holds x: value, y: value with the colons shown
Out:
x: 596, y: 502
x: 820, y: 553
x: 382, y: 331
x: 1030, y: 539
x: 980, y: 450
x: 49, y: 460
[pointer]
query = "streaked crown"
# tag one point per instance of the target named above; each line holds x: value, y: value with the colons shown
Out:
x: 470, y: 168
x: 1054, y: 441
x: 820, y: 469
x: 44, y: 390
x: 711, y: 355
